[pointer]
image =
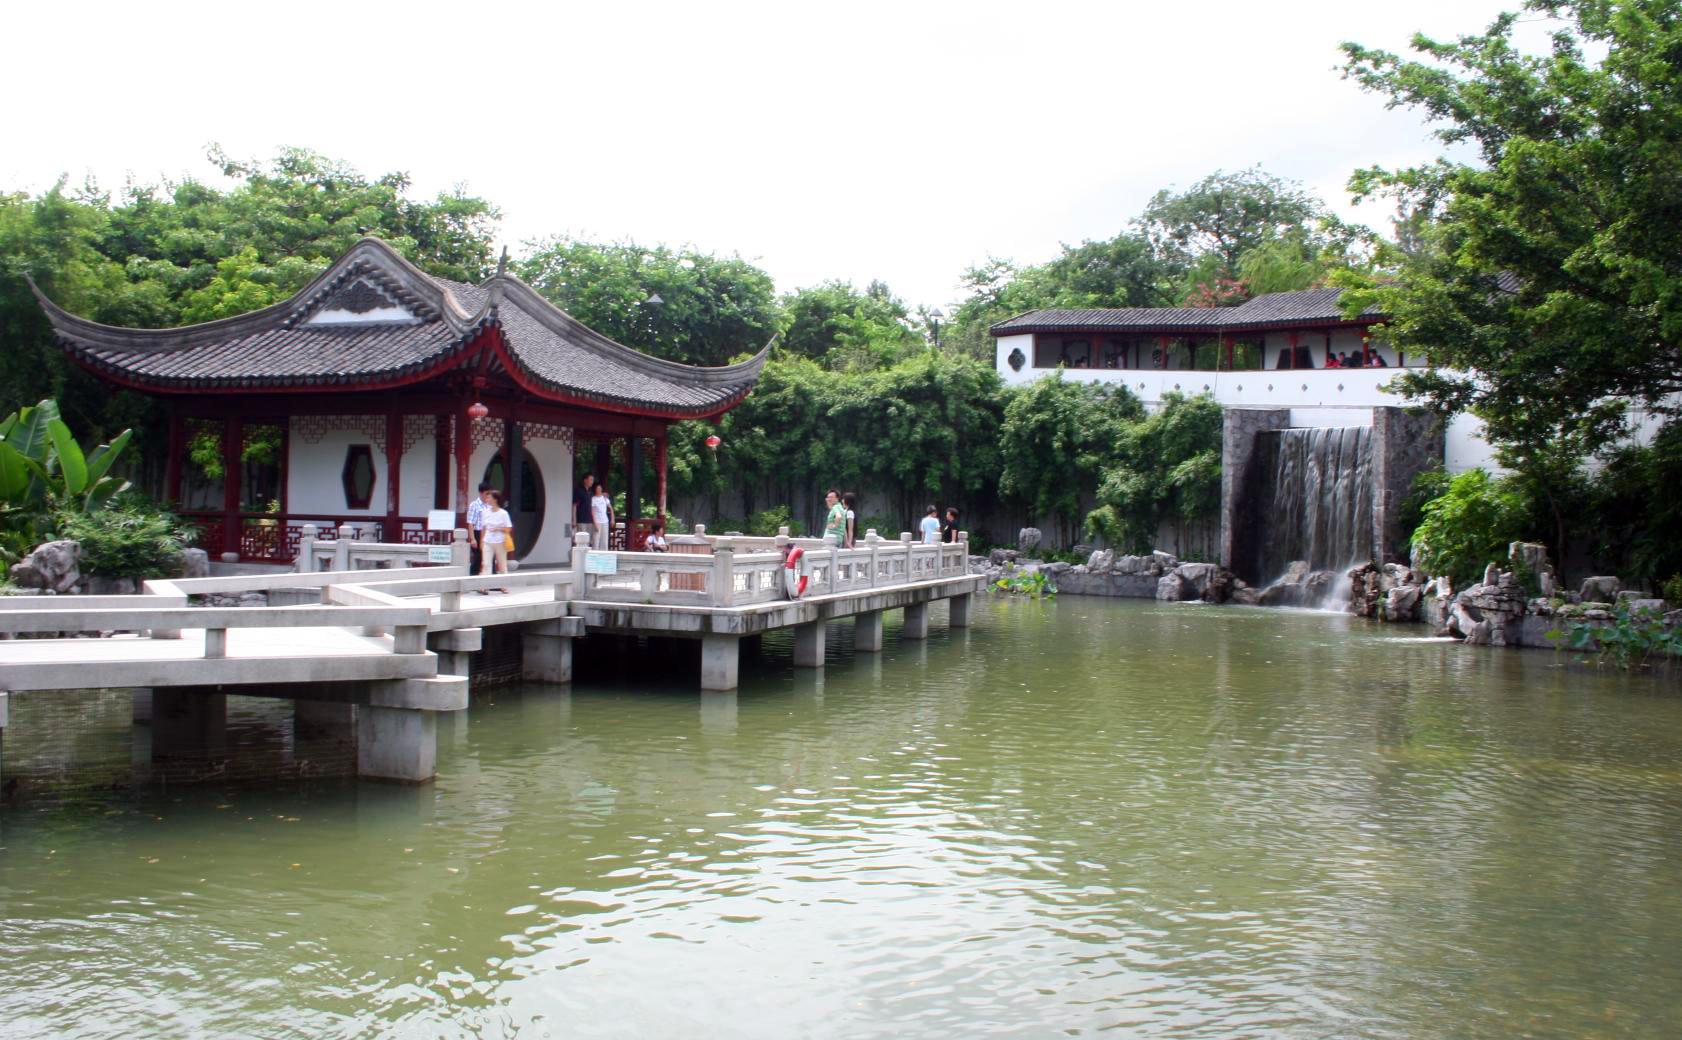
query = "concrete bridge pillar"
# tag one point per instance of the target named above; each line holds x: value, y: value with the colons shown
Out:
x: 189, y: 719
x: 808, y: 645
x: 720, y: 662
x: 916, y: 621
x: 867, y: 632
x: 546, y: 658
x: 396, y: 744
x: 959, y: 606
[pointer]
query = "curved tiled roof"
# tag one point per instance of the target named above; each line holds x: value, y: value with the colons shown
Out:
x: 391, y: 323
x: 1307, y: 306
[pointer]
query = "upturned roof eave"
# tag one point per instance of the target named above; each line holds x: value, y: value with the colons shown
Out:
x: 277, y: 315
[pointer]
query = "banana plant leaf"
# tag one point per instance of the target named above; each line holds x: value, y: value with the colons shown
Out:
x: 100, y: 461
x: 30, y: 434
x: 72, y: 466
x: 14, y: 475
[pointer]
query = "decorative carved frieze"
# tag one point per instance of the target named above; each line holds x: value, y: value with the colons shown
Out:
x: 547, y: 432
x: 417, y: 428
x: 311, y: 428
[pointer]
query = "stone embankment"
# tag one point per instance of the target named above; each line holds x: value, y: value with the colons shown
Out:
x: 1158, y: 575
x: 1515, y: 607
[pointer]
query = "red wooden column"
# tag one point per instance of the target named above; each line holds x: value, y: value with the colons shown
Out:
x: 177, y: 452
x: 440, y: 462
x: 464, y: 454
x: 1293, y: 341
x: 1226, y: 341
x: 233, y: 446
x: 660, y: 473
x: 393, y: 472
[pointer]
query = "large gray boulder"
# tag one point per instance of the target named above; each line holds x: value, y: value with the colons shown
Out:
x: 52, y: 567
x: 1173, y: 589
x: 1197, y: 576
x: 1402, y: 603
x: 1028, y: 539
x: 1102, y: 561
x: 1603, y: 589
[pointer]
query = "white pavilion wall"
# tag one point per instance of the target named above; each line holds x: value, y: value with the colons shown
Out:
x: 418, y: 468
x: 550, y: 450
x: 317, y: 446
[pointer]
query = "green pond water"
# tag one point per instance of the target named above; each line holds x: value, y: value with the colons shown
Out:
x: 1076, y: 818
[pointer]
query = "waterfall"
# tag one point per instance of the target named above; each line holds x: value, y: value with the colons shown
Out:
x: 1316, y: 503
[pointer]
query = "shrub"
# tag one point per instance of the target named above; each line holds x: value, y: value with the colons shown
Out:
x: 131, y: 539
x: 1469, y: 526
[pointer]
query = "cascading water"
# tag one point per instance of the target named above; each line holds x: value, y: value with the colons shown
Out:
x: 1316, y: 506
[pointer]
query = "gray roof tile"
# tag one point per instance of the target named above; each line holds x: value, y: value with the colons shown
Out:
x: 1288, y: 308
x: 275, y: 348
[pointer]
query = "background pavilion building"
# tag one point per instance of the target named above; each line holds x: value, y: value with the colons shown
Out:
x: 356, y: 401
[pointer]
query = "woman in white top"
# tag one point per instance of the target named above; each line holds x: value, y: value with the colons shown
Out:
x: 931, y: 526
x: 656, y: 539
x: 497, y: 525
x: 601, y: 516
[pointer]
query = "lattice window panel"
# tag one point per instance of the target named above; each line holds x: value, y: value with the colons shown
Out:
x: 487, y: 431
x: 417, y: 428
x: 311, y: 428
x: 547, y: 432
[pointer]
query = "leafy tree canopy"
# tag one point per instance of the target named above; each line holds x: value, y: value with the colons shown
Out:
x: 843, y: 328
x: 1055, y: 440
x: 1545, y: 278
x: 712, y: 308
x: 159, y: 255
x: 1226, y: 215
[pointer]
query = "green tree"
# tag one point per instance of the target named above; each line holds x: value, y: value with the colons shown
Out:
x: 167, y: 254
x: 1226, y: 215
x: 843, y: 328
x: 711, y: 308
x: 1470, y: 526
x: 1544, y: 279
x: 1057, y: 436
x: 1167, y: 469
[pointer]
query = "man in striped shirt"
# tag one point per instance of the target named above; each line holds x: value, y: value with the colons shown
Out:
x: 476, y: 511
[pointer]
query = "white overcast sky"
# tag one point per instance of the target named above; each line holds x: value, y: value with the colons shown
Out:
x: 901, y: 141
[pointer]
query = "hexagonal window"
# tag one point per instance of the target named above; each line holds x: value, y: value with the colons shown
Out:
x: 358, y: 476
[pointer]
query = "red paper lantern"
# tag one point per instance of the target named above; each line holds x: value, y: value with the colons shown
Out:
x: 713, y: 442
x: 477, y: 410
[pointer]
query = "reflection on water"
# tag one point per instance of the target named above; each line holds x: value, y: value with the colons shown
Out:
x: 1077, y: 817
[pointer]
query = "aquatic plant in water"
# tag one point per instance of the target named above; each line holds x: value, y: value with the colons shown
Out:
x: 1629, y: 639
x: 1027, y: 583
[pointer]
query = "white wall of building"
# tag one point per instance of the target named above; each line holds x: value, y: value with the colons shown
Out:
x: 318, y: 446
x: 1316, y: 397
x: 553, y: 458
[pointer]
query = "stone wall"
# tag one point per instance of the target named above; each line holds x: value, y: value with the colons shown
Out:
x: 1238, y: 446
x: 1406, y: 443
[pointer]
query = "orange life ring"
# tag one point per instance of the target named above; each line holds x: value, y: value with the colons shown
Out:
x: 794, y: 576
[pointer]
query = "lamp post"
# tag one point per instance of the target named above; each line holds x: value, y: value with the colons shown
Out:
x: 934, y: 320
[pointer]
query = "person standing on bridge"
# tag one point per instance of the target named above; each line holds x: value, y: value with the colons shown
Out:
x: 601, y: 514
x: 581, y: 506
x: 930, y: 526
x: 851, y: 500
x: 835, y: 523
x: 476, y: 511
x: 497, y: 525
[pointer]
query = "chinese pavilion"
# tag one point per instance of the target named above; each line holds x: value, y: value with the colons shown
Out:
x: 380, y: 393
